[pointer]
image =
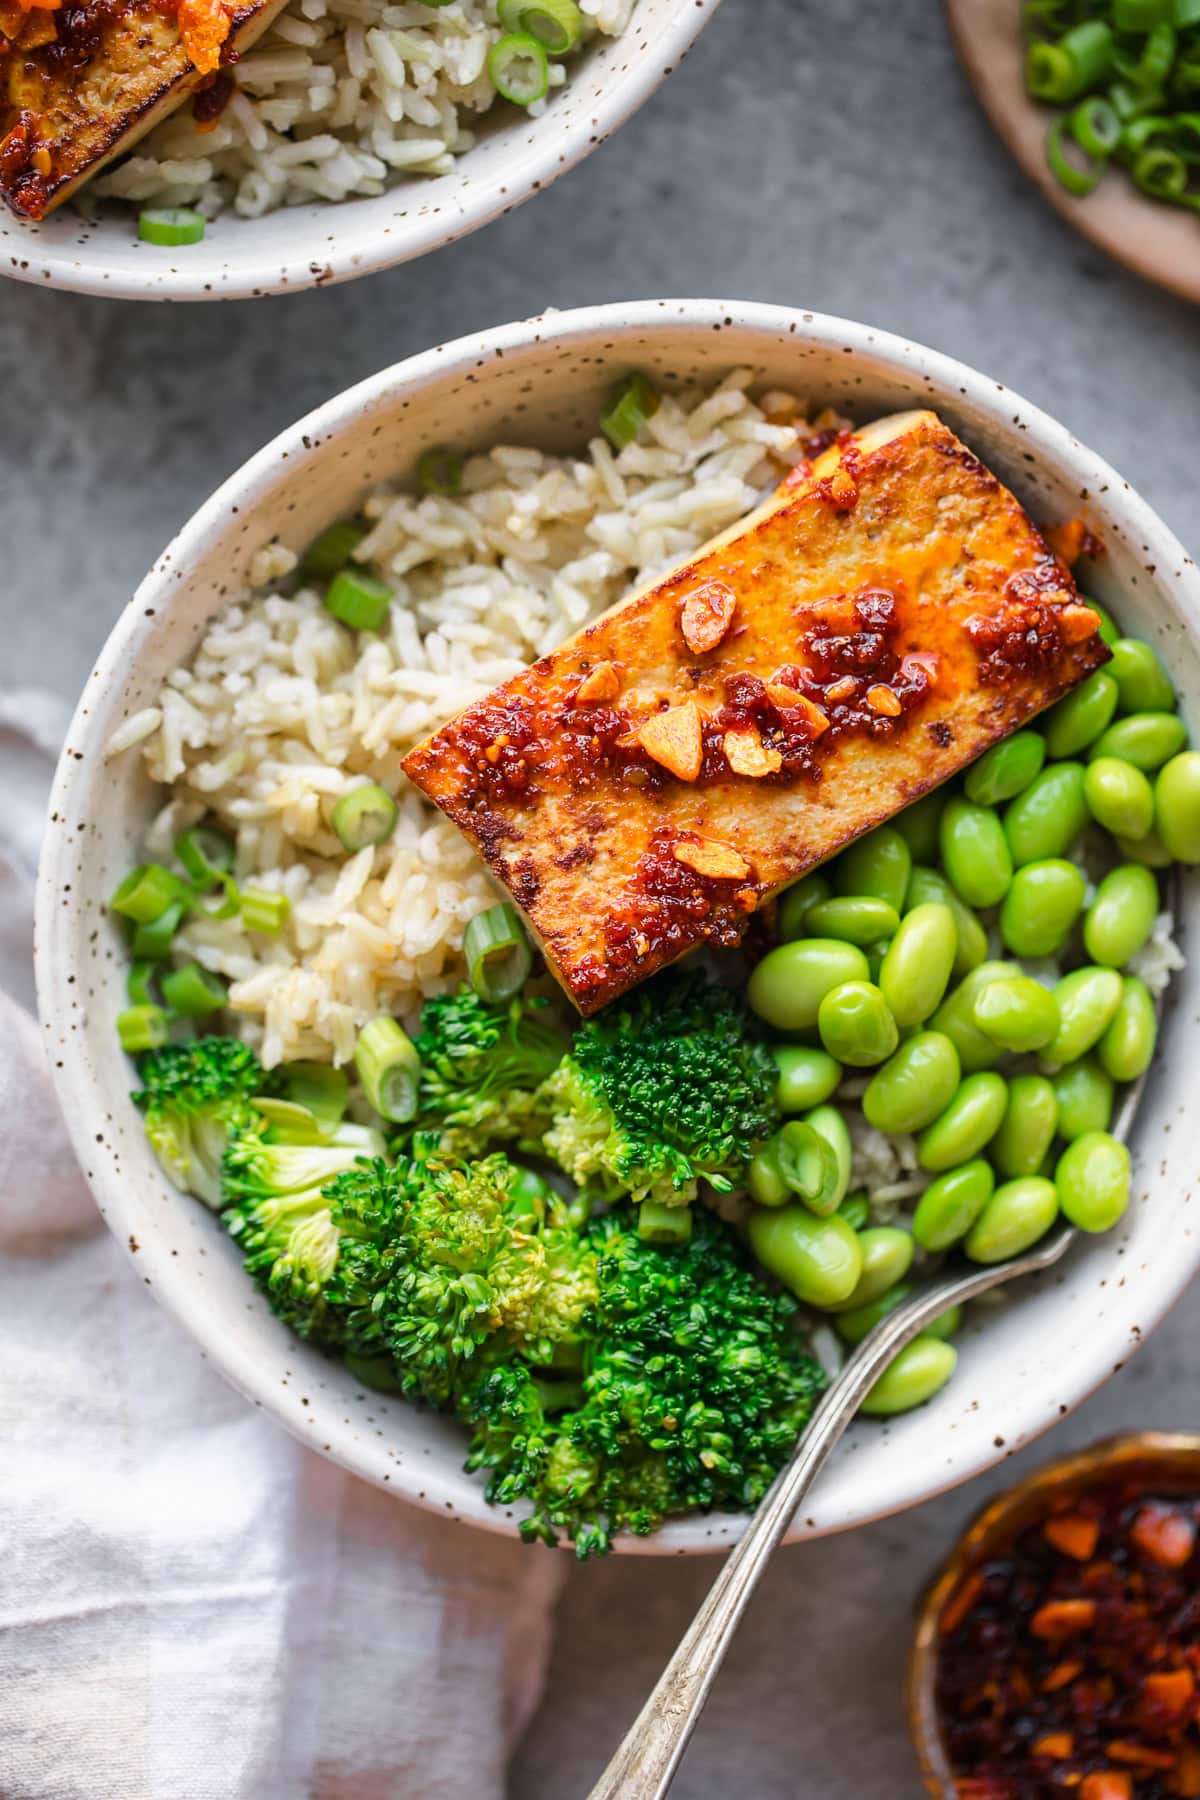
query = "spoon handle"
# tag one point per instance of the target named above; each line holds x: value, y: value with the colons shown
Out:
x: 644, y: 1765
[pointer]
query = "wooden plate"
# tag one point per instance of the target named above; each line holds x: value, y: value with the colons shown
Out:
x: 1158, y: 241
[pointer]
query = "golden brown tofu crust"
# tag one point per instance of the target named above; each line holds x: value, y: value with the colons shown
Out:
x: 895, y: 613
x: 111, y: 71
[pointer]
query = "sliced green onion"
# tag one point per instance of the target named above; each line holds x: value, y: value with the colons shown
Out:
x: 1065, y: 70
x: 389, y: 1068
x: 659, y: 1224
x: 207, y: 855
x: 1154, y: 65
x: 138, y: 984
x: 518, y: 68
x: 633, y: 402
x: 556, y: 24
x: 1076, y: 180
x: 366, y: 815
x: 358, y: 599
x: 142, y: 1027
x: 263, y: 910
x: 147, y: 891
x: 191, y: 991
x: 1140, y: 15
x: 440, y: 471
x: 508, y: 12
x: 1137, y: 134
x: 497, y: 951
x: 153, y: 941
x: 1128, y: 102
x: 319, y: 1087
x: 1161, y: 173
x: 288, y: 1122
x: 332, y: 550
x: 225, y: 907
x: 1095, y: 126
x: 170, y: 225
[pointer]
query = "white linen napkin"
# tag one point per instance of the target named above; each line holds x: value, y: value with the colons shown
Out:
x: 192, y: 1606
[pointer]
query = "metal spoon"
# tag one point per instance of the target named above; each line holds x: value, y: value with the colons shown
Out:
x: 645, y: 1764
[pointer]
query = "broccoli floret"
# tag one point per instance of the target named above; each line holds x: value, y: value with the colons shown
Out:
x: 695, y: 1389
x: 280, y: 1212
x: 195, y: 1095
x: 481, y: 1066
x: 659, y: 1091
x: 440, y: 1260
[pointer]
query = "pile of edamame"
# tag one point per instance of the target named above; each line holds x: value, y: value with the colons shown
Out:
x: 903, y: 957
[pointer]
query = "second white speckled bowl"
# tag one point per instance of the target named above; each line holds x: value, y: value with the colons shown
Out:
x: 1023, y: 1363
x: 301, y: 247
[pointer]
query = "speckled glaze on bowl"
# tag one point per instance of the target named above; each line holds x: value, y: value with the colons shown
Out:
x: 1024, y: 1363
x: 300, y: 247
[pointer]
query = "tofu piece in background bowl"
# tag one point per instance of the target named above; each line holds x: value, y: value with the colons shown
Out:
x: 546, y: 382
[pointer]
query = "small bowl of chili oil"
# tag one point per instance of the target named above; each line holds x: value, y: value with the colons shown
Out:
x: 1057, y: 1654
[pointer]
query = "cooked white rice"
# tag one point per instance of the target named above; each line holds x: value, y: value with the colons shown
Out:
x: 338, y: 99
x: 282, y: 709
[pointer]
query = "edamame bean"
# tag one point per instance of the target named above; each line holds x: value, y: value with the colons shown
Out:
x: 887, y: 1258
x: 1016, y: 1216
x: 914, y: 1085
x: 1177, y: 806
x: 950, y: 1205
x: 1121, y: 917
x: 1080, y: 716
x: 852, y: 1327
x: 1142, y: 682
x: 1108, y: 628
x: 829, y: 1124
x: 1041, y: 907
x: 856, y: 1026
x: 875, y: 955
x: 856, y: 1210
x: 1046, y: 819
x: 1149, y: 850
x: 918, y: 825
x: 806, y: 1076
x: 1084, y: 1093
x: 819, y: 1260
x: 1005, y: 770
x: 788, y: 985
x: 1092, y: 1179
x: 1144, y: 739
x: 764, y: 1177
x: 946, y: 1325
x: 975, y: 853
x: 1017, y: 1013
x: 912, y: 1378
x: 795, y: 901
x: 1027, y: 1128
x: 1126, y: 1049
x: 926, y: 887
x: 877, y: 864
x: 955, y: 1017
x: 917, y: 967
x: 809, y: 1165
x: 854, y: 918
x: 968, y: 1123
x: 1088, y: 999
x: 1119, y: 797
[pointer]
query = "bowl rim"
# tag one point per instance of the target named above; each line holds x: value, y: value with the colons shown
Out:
x: 322, y: 259
x: 83, y: 1094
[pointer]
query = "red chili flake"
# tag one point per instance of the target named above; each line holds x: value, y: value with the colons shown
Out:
x: 1111, y: 1580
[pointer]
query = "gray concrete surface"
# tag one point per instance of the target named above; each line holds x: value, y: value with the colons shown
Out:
x: 809, y: 152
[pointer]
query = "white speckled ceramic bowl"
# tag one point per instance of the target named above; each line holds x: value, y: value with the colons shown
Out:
x: 312, y: 246
x: 1024, y: 1363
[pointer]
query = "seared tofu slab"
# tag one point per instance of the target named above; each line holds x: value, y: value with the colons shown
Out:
x: 81, y: 83
x: 882, y: 619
